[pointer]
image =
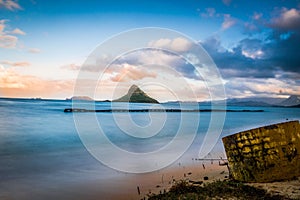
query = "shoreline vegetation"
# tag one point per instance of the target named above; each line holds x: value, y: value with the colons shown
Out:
x: 208, y: 179
x: 226, y: 189
x: 204, y: 179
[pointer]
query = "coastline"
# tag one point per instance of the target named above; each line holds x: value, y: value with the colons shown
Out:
x: 125, y: 186
x: 197, y: 172
x: 162, y: 180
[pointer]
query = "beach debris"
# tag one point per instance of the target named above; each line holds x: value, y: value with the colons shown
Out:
x: 190, y: 173
x: 138, y: 190
x: 264, y: 154
x: 223, y: 163
x: 205, y: 178
x: 195, y: 182
x: 203, y: 166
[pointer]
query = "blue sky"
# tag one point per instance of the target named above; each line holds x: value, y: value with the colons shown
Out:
x: 253, y: 43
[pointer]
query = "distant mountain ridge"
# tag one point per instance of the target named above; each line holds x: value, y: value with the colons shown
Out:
x: 81, y: 98
x: 136, y: 95
x: 263, y: 100
x: 234, y: 102
x: 293, y: 100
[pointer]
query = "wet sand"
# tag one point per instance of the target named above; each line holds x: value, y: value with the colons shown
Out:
x: 141, y: 185
x: 162, y: 180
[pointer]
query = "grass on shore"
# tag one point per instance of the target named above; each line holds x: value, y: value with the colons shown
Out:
x: 227, y: 189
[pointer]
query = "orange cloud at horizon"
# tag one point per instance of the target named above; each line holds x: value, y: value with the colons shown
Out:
x: 14, y: 84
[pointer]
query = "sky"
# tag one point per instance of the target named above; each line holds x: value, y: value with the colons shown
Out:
x: 254, y: 44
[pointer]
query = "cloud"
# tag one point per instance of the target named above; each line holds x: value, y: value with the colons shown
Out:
x: 286, y: 19
x: 228, y: 22
x: 164, y: 59
x: 18, y: 32
x: 253, y: 54
x: 267, y: 61
x: 10, y: 5
x: 254, y: 25
x: 257, y: 16
x: 34, y: 50
x: 137, y: 60
x: 92, y: 68
x: 72, y: 67
x: 250, y: 28
x: 2, y: 25
x: 242, y: 87
x: 227, y: 2
x: 94, y: 64
x: 234, y: 63
x: 209, y: 12
x: 15, y: 64
x: 7, y: 40
x: 252, y: 48
x: 14, y: 84
x: 129, y: 72
x: 177, y: 44
x: 255, y: 57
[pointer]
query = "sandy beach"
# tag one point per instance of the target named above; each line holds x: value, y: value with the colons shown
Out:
x: 290, y: 189
x: 126, y: 185
x: 164, y: 179
x: 160, y: 181
x: 140, y: 186
x: 200, y: 172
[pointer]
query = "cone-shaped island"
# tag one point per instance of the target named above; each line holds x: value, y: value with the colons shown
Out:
x: 136, y: 95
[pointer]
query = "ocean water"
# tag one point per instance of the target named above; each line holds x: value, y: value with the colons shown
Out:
x: 44, y: 152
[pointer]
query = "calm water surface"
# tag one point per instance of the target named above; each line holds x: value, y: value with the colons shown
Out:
x: 42, y: 156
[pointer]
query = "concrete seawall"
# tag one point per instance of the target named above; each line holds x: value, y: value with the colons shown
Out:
x: 69, y: 110
x: 265, y: 154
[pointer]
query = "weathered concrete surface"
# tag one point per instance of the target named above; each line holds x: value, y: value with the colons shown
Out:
x: 265, y: 154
